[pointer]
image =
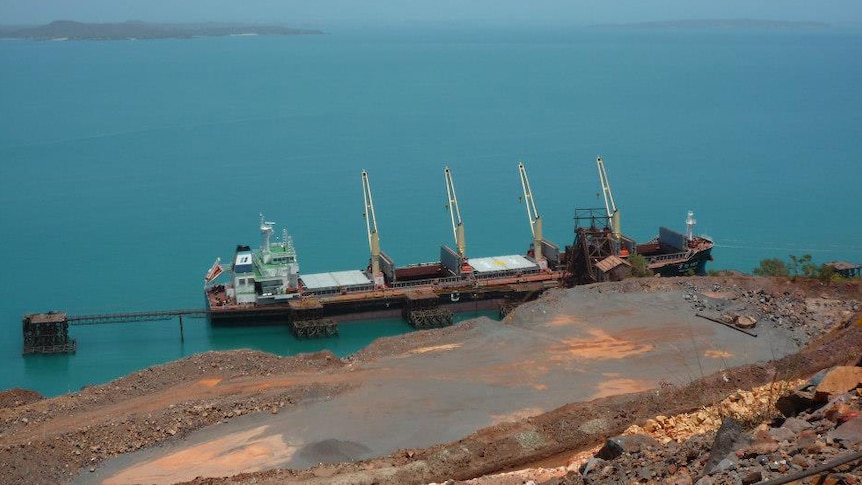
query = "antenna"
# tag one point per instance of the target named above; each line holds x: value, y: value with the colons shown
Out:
x: 266, y: 230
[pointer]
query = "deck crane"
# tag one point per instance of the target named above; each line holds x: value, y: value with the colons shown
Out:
x: 455, y: 215
x: 610, y: 205
x: 371, y: 228
x: 534, y: 217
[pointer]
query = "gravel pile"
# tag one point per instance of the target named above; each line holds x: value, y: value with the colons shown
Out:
x: 30, y: 454
x: 820, y: 427
x: 11, y: 398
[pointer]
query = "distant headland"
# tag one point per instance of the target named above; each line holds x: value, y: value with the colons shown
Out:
x: 129, y: 30
x: 720, y: 24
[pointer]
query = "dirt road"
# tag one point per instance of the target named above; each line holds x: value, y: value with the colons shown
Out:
x: 579, y: 348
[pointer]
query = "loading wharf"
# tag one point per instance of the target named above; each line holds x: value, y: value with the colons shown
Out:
x: 264, y: 284
x: 309, y: 316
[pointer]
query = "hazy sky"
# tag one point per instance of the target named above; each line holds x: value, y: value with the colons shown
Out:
x: 407, y: 12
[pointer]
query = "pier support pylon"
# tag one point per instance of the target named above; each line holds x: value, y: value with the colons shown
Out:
x: 307, y: 321
x: 47, y: 333
x: 422, y: 311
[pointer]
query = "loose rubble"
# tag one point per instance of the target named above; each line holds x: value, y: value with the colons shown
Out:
x: 824, y: 426
x: 52, y: 440
x: 69, y: 444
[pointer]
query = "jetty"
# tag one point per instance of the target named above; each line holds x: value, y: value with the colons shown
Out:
x: 264, y: 285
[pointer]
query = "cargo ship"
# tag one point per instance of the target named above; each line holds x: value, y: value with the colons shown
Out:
x: 601, y: 252
x: 674, y: 254
x: 265, y: 284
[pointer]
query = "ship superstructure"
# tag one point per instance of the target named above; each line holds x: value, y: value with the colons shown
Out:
x: 262, y: 276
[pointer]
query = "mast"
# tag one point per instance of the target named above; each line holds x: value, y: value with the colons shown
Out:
x: 455, y: 215
x: 610, y: 205
x: 689, y: 224
x: 266, y: 230
x: 371, y: 229
x: 532, y: 215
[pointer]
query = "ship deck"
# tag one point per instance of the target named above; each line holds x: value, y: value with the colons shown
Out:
x: 497, y: 287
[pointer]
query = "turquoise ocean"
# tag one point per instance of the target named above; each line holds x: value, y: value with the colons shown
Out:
x: 129, y: 166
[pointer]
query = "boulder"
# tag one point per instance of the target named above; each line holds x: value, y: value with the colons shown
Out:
x: 838, y: 381
x: 849, y: 433
x: 725, y: 440
x: 745, y: 321
x: 618, y: 445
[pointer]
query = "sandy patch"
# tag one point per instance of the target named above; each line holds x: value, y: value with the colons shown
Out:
x: 600, y: 345
x: 718, y: 354
x: 509, y: 374
x: 563, y: 320
x: 235, y: 453
x: 660, y: 333
x: 434, y: 348
x: 621, y: 386
x: 722, y: 295
x: 210, y: 382
x: 625, y: 312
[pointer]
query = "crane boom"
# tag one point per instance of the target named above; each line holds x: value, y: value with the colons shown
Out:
x: 532, y: 213
x: 371, y: 228
x: 455, y: 214
x: 610, y: 205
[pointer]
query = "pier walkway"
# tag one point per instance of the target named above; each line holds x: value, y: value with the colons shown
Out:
x: 428, y: 304
x: 48, y: 333
x: 105, y: 318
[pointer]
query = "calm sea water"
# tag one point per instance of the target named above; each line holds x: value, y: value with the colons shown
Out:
x: 127, y: 167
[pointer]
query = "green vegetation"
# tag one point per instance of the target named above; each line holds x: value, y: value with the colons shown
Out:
x: 639, y: 266
x: 828, y: 273
x: 771, y: 267
x: 800, y: 266
x: 805, y: 264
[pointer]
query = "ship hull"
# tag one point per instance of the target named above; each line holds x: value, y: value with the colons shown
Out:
x: 371, y: 307
x: 695, y: 264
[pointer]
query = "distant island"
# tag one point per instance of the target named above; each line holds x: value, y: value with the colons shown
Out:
x: 715, y: 24
x: 71, y: 30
